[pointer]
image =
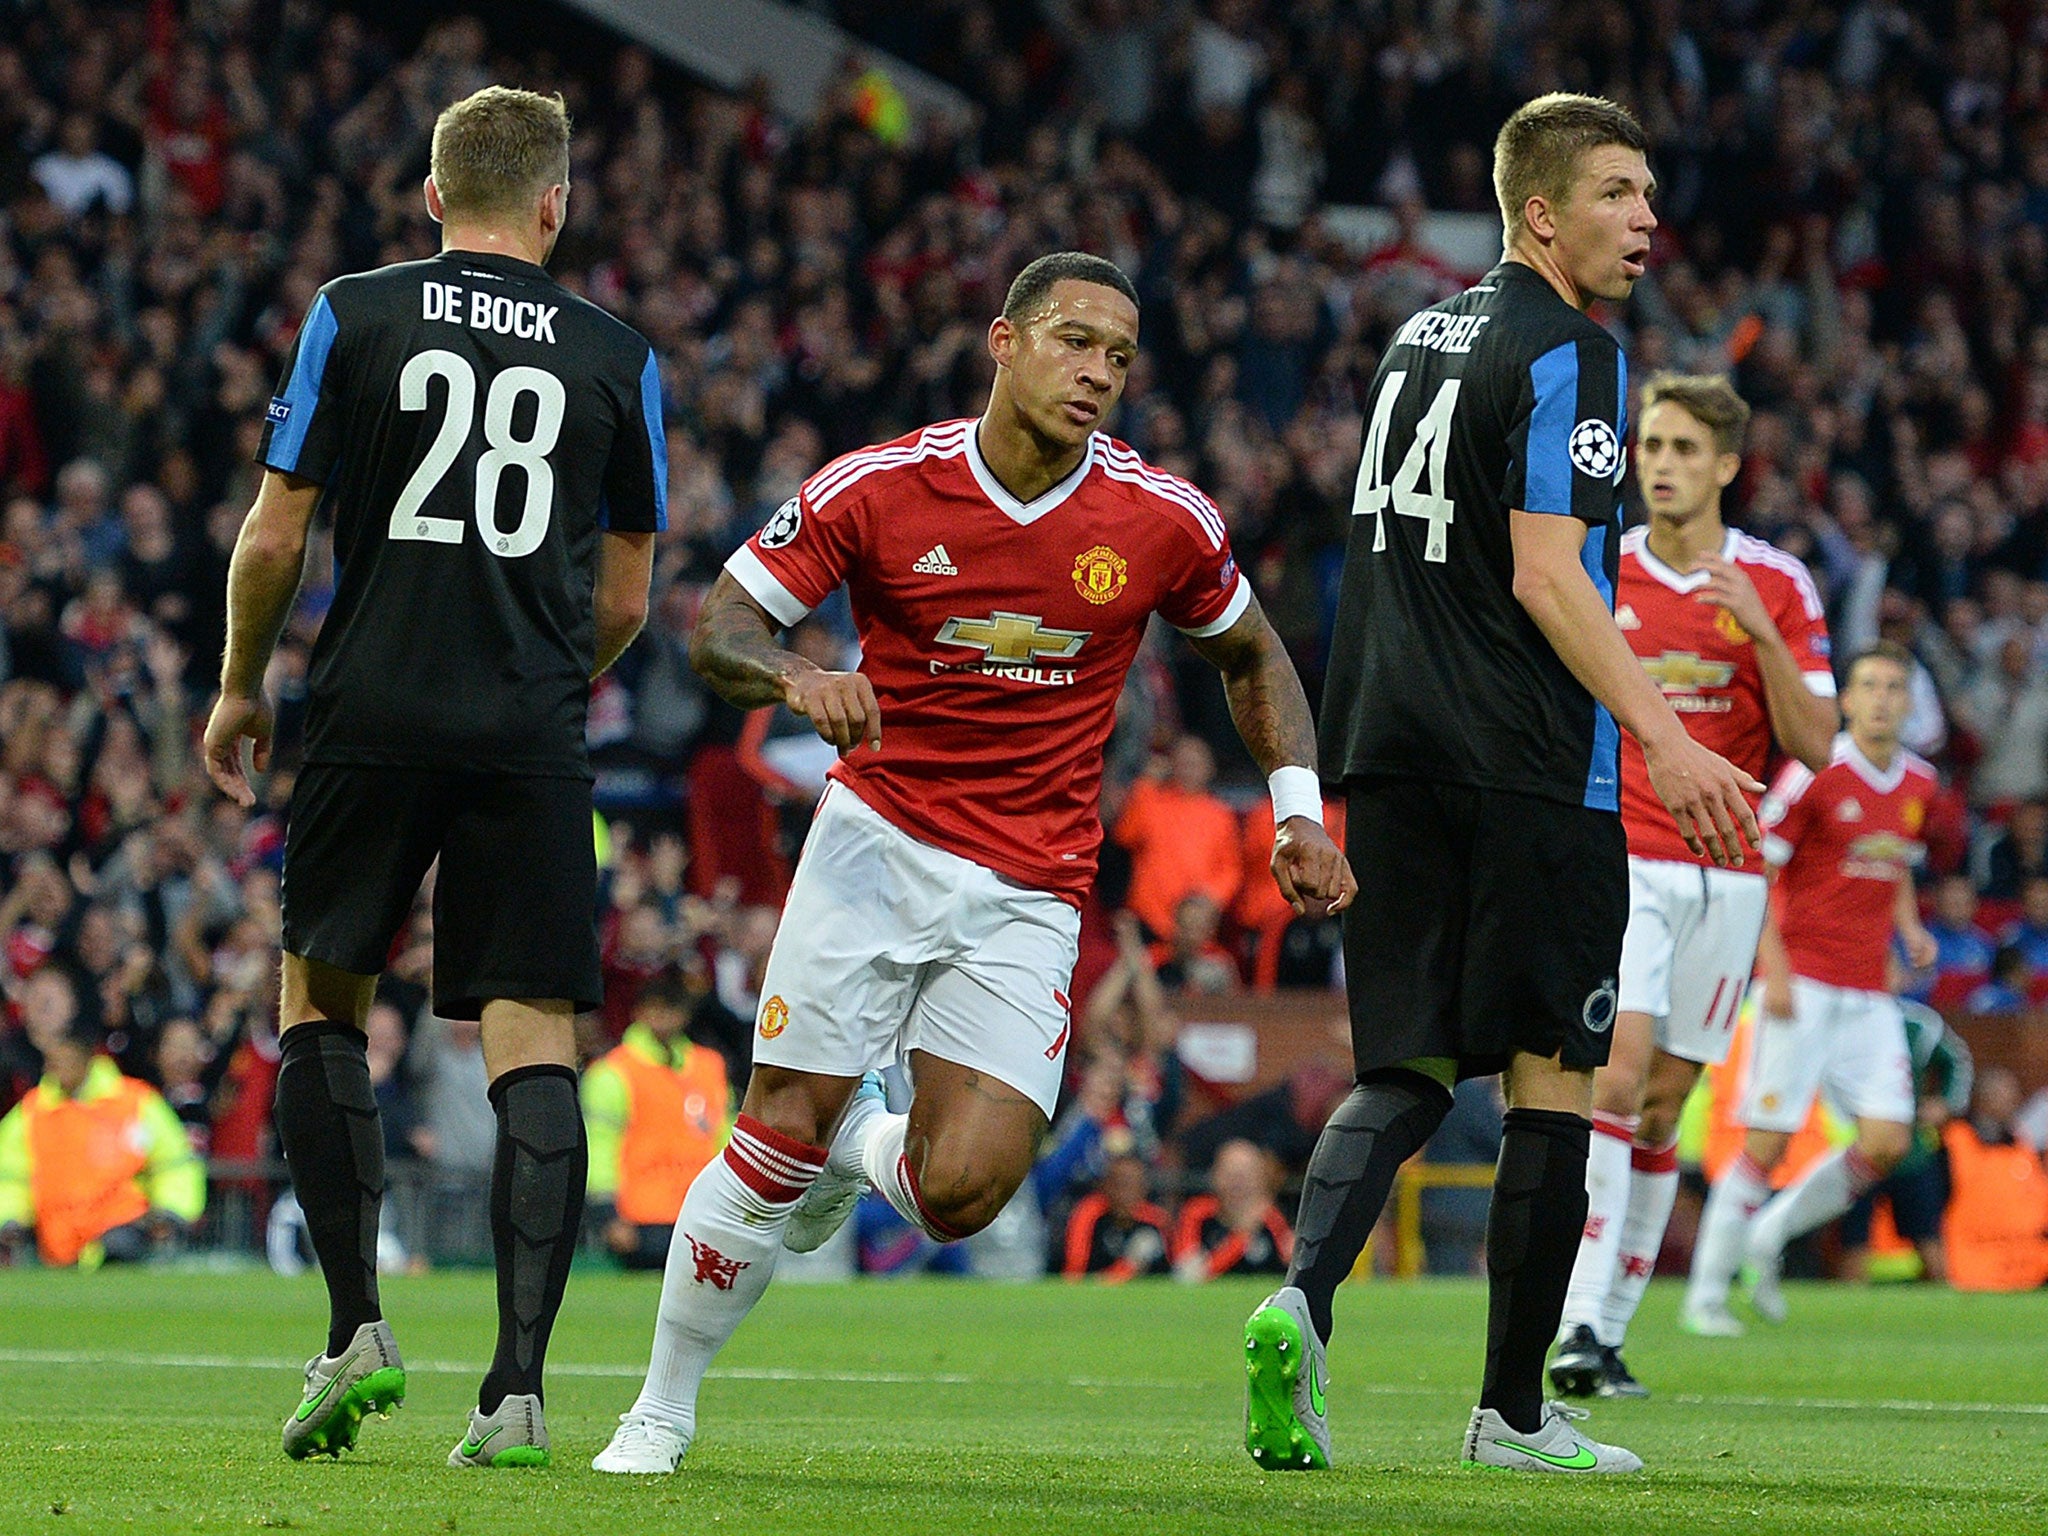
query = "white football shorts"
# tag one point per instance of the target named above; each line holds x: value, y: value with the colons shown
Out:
x: 1841, y: 1041
x: 889, y: 945
x: 1689, y: 949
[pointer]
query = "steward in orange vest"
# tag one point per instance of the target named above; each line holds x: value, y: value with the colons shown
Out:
x: 1996, y: 1229
x: 658, y: 1108
x: 93, y: 1161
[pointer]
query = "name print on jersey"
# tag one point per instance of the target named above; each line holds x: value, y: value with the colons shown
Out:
x: 489, y: 312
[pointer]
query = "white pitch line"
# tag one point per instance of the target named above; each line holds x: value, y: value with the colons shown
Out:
x: 138, y: 1361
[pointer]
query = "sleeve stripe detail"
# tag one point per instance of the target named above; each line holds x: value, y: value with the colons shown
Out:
x: 1792, y: 784
x: 657, y: 438
x: 764, y: 587
x: 302, y: 392
x: 1240, y: 599
x: 946, y: 441
x: 1135, y: 471
x: 1755, y: 551
x: 1822, y: 683
x: 1547, y: 480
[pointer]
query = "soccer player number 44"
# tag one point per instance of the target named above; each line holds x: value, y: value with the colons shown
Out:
x: 1429, y: 449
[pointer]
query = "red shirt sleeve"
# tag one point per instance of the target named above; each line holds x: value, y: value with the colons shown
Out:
x: 1805, y: 628
x: 800, y: 556
x: 1786, y: 812
x: 1209, y: 593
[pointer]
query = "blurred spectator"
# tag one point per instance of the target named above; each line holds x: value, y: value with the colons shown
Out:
x: 78, y: 175
x: 1236, y: 1229
x: 1190, y: 960
x: 2018, y: 853
x: 1964, y: 953
x: 2008, y: 711
x: 182, y: 1059
x: 1454, y: 1220
x: 1182, y: 839
x: 1285, y: 1119
x: 658, y: 1109
x: 2028, y: 933
x: 95, y: 1164
x: 1117, y: 1233
x: 2006, y: 991
x: 1996, y: 1229
x: 1287, y: 950
x: 458, y: 1136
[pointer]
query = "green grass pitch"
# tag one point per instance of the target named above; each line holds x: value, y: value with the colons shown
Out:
x: 151, y: 1402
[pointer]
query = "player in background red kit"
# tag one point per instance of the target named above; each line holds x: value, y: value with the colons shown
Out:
x: 1844, y: 842
x: 1731, y: 629
x: 1002, y: 572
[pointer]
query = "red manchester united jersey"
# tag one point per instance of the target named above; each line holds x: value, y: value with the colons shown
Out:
x: 996, y: 633
x: 1840, y: 839
x: 1706, y: 664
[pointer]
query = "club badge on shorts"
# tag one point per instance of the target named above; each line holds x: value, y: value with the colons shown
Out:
x: 1598, y: 1014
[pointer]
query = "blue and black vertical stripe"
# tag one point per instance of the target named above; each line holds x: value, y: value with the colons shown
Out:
x: 1578, y: 474
x: 291, y: 413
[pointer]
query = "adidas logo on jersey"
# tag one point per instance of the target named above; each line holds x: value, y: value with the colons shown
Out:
x: 936, y: 562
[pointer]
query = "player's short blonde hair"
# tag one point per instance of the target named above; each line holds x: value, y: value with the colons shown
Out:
x: 1706, y: 397
x: 1537, y: 152
x: 499, y: 149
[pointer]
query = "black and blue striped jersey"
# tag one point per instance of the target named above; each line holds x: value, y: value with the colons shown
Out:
x: 476, y: 427
x: 1504, y: 397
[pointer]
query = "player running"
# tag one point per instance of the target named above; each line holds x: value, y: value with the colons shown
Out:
x: 1732, y: 631
x: 491, y: 448
x: 1002, y: 573
x: 1477, y: 691
x: 1844, y: 842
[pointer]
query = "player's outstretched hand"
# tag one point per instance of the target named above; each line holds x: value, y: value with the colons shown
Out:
x: 841, y: 705
x: 1312, y: 872
x: 237, y: 717
x: 1707, y: 796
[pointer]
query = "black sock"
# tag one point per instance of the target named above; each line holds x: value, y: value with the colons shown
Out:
x: 1382, y: 1124
x: 1532, y: 1240
x: 537, y: 1188
x: 333, y: 1140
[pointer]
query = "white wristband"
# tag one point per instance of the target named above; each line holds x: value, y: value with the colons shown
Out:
x: 1296, y: 792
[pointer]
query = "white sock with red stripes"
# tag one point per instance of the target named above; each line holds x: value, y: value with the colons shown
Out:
x: 1817, y: 1197
x: 1607, y: 1185
x: 1743, y: 1187
x: 891, y: 1174
x: 1652, y: 1191
x: 720, y: 1261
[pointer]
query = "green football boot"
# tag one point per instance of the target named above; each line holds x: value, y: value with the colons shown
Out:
x: 367, y: 1377
x: 515, y: 1436
x: 1285, y: 1376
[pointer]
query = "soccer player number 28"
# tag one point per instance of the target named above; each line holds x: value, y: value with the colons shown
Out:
x: 1431, y: 447
x: 530, y: 455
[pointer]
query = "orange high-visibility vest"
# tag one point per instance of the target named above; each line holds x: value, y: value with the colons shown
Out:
x: 85, y: 1162
x: 1996, y: 1226
x: 674, y: 1124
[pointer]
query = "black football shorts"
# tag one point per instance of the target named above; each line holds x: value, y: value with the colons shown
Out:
x: 1487, y: 923
x: 515, y: 897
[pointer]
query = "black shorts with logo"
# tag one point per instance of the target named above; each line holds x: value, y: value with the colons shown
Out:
x: 1487, y: 923
x: 515, y: 897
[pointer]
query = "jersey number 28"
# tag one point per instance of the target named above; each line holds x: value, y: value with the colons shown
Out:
x: 505, y: 450
x: 1429, y: 450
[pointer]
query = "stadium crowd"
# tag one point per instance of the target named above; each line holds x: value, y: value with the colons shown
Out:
x: 1855, y: 225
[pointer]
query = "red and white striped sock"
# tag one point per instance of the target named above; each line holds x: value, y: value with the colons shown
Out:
x: 720, y: 1260
x: 1652, y: 1191
x: 1822, y: 1193
x: 1744, y: 1185
x: 1607, y: 1197
x: 889, y: 1170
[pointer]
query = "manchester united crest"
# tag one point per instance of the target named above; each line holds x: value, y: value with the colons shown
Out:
x: 1100, y: 574
x: 774, y: 1018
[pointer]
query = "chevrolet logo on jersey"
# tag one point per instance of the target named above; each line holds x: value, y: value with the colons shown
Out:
x: 1017, y: 638
x: 1686, y: 672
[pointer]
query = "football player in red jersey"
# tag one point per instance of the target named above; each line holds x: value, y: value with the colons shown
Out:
x: 1002, y: 572
x: 1732, y: 630
x: 1843, y: 842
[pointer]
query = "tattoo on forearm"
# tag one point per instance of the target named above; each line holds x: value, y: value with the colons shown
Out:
x: 734, y: 651
x: 1271, y: 711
